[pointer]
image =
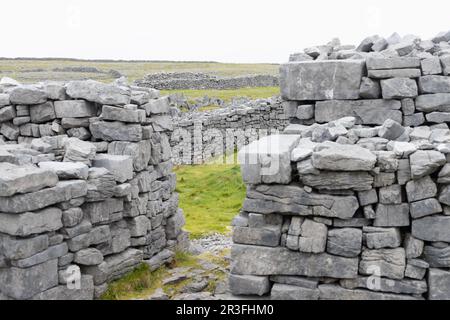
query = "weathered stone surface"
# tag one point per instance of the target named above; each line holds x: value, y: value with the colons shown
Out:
x: 66, y: 170
x: 413, y: 246
x: 88, y: 257
x: 17, y: 248
x: 303, y: 282
x: 333, y: 292
x: 374, y: 112
x: 313, y: 237
x: 425, y: 162
x: 101, y: 211
x: 120, y: 166
x: 445, y: 62
x: 420, y: 189
x: 63, y: 191
x: 50, y: 253
x: 344, y: 242
x: 324, y: 80
x: 27, y: 95
x: 22, y: 179
x: 424, y: 208
x: 71, y: 217
x: 174, y: 224
x: 391, y: 194
x: 257, y: 236
x: 444, y: 195
x: 7, y: 113
x: 122, y: 114
x: 394, y: 73
x: 246, y: 260
x: 432, y: 102
x: 416, y: 269
x: 248, y: 285
x: 24, y: 283
x: 388, y: 263
x: 399, y: 88
x: 29, y: 223
x: 268, y: 160
x: 115, y: 131
x: 391, y: 130
x: 386, y: 285
x: 289, y: 292
x: 367, y: 197
x: 62, y: 292
x: 392, y: 63
x: 377, y: 238
x: 75, y: 109
x: 437, y: 257
x: 439, y: 284
x: 431, y: 66
x: 370, y: 89
x: 156, y: 106
x: 434, y: 84
x: 334, y: 180
x: 140, y: 152
x: 392, y: 215
x: 79, y: 151
x: 91, y: 90
x: 432, y: 228
x: 42, y: 112
x: 337, y: 157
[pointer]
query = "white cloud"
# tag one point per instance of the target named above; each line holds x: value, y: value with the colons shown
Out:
x: 225, y: 30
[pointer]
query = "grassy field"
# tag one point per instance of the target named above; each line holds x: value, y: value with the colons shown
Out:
x: 210, y: 195
x: 33, y: 70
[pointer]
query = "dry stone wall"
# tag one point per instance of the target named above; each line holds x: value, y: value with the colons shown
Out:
x: 352, y: 201
x: 86, y: 187
x: 199, y: 137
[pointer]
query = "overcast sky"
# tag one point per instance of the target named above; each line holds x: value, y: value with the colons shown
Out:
x: 217, y: 30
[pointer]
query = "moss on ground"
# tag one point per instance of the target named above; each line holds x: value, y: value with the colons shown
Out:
x: 210, y: 196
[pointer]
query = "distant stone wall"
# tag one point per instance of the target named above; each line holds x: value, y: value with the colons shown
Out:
x: 86, y: 187
x: 352, y: 201
x: 189, y: 80
x: 201, y: 136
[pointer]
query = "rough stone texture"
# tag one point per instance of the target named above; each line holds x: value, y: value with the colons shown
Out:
x: 249, y: 285
x: 288, y: 292
x: 439, y: 282
x: 344, y: 242
x: 336, y: 79
x: 75, y: 109
x: 399, y: 88
x: 432, y: 228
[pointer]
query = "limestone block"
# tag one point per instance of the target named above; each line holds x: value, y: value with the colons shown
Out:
x: 75, y: 109
x: 120, y: 166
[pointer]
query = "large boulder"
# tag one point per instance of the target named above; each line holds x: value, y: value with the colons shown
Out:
x: 324, y: 80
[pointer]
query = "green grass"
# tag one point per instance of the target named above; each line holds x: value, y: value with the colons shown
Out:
x: 20, y: 69
x: 210, y: 196
x: 228, y: 94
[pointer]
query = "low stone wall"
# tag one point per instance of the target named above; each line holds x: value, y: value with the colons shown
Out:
x: 201, y: 136
x: 86, y: 187
x: 352, y: 201
x: 189, y: 80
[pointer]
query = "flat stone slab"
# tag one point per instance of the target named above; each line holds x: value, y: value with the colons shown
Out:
x: 22, y: 179
x: 66, y: 170
x: 247, y: 260
x: 324, y: 80
x: 392, y: 63
x: 336, y: 292
x: 374, y: 112
x: 432, y: 228
x: 95, y: 91
x: 75, y: 109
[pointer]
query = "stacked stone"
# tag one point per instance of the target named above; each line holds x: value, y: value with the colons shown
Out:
x: 349, y: 203
x: 200, y: 137
x: 89, y: 189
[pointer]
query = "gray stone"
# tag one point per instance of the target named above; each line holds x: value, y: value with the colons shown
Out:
x: 246, y: 260
x: 335, y: 180
x: 344, y: 242
x: 75, y: 109
x: 394, y: 73
x: 445, y: 62
x: 139, y: 226
x: 289, y: 292
x: 102, y: 211
x: 79, y: 151
x: 424, y: 208
x: 408, y: 106
x: 120, y: 166
x: 140, y: 152
x: 268, y: 160
x: 388, y: 263
x: 23, y: 179
x: 121, y: 114
x: 55, y: 90
x: 390, y: 194
x: 391, y: 130
x: 21, y: 283
x: 115, y: 131
x: 313, y: 237
x: 415, y: 270
x: 42, y: 112
x: 257, y: 236
x: 432, y: 102
x: 304, y: 282
x: 63, y: 191
x: 88, y: 257
x: 374, y: 112
x: 426, y: 162
x: 66, y: 170
x: 392, y: 215
x: 339, y: 79
x: 17, y: 248
x: 4, y: 99
x: 413, y: 246
x: 420, y: 189
x: 437, y: 257
x: 392, y: 63
x: 334, y: 292
x: 10, y: 131
x: 439, y: 284
x: 336, y: 157
x: 7, y: 113
x: 431, y: 66
x: 27, y: 95
x: 387, y: 285
x: 432, y: 228
x: 370, y: 89
x: 71, y: 217
x: 434, y: 84
x: 62, y: 292
x: 399, y: 88
x: 438, y: 117
x: 248, y: 285
x: 377, y: 238
x: 367, y: 197
x: 305, y: 111
x: 98, y: 92
x: 29, y: 223
x: 156, y: 106
x: 174, y: 224
x: 50, y: 253
x: 444, y: 174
